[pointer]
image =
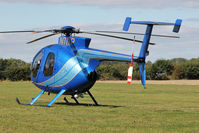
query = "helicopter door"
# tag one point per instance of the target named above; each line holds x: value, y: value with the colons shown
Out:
x: 49, y: 64
x: 49, y: 68
x: 36, y: 65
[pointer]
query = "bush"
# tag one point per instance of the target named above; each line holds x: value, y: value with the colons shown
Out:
x: 179, y: 71
x: 108, y: 72
x: 18, y: 73
x: 192, y: 70
x: 161, y: 69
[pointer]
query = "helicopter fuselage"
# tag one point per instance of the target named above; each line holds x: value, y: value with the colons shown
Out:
x: 58, y: 67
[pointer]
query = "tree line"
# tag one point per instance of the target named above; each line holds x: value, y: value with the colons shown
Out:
x: 177, y: 68
x: 14, y: 70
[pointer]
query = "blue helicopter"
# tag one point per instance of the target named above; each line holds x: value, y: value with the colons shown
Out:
x: 69, y: 67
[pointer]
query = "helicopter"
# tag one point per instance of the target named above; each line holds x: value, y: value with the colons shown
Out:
x: 69, y: 67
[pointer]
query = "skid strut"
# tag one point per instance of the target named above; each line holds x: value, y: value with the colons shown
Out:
x: 66, y: 100
x: 73, y: 97
x: 92, y: 98
x: 35, y: 99
x: 56, y: 97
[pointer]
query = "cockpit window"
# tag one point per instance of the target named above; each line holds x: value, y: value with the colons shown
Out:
x: 36, y: 64
x: 49, y: 65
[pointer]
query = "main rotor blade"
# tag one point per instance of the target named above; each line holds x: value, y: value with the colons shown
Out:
x: 138, y: 34
x: 17, y: 31
x: 42, y: 38
x: 27, y: 31
x: 118, y: 37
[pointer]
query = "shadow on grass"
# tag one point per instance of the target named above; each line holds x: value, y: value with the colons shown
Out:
x: 87, y: 105
x: 69, y: 104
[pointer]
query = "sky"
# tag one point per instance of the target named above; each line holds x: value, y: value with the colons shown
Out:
x: 100, y: 15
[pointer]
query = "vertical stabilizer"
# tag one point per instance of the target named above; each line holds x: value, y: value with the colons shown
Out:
x: 146, y: 40
x: 142, y: 74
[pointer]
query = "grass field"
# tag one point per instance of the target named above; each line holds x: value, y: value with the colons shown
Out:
x: 158, y: 109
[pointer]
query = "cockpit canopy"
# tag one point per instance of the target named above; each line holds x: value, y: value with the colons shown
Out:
x: 36, y: 64
x: 48, y: 66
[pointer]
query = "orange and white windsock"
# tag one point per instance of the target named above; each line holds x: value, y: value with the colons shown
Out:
x: 130, y: 72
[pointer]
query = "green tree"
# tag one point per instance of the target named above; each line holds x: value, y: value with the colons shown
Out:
x: 3, y: 65
x: 18, y: 73
x: 161, y: 69
x: 14, y: 69
x: 192, y: 70
x: 178, y: 60
x: 148, y: 70
x: 179, y: 71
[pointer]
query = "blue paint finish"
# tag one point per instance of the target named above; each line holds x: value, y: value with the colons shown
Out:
x: 75, y: 63
x: 142, y: 74
x: 93, y: 64
x: 79, y: 42
x: 35, y: 99
x: 56, y: 97
x: 68, y: 76
x: 88, y: 54
x: 151, y: 23
x: 127, y: 24
x: 146, y: 41
x: 77, y: 81
x: 68, y: 66
x: 177, y: 25
x: 67, y: 27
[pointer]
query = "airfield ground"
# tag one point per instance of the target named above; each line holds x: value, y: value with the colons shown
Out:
x: 172, y: 82
x: 165, y: 106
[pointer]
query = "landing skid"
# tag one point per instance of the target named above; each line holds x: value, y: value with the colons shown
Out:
x: 35, y: 99
x: 18, y: 101
x: 55, y: 98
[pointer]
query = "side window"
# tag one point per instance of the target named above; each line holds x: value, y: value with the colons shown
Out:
x: 36, y: 64
x: 49, y: 65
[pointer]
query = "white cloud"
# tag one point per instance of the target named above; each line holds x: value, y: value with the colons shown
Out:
x: 121, y: 3
x: 196, y: 19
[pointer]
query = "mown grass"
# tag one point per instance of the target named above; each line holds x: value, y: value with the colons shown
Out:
x: 157, y: 109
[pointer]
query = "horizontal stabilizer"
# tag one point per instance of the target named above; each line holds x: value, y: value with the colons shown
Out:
x: 127, y: 24
x: 177, y: 25
x: 151, y: 23
x: 128, y: 21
